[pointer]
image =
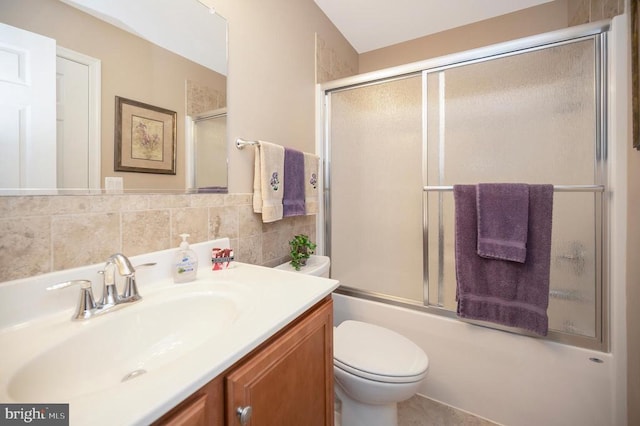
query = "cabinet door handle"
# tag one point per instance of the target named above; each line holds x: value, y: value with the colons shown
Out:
x: 244, y: 414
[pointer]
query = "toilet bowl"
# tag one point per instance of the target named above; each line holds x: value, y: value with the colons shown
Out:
x: 374, y: 367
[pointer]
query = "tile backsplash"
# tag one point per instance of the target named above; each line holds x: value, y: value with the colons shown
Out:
x: 583, y: 11
x: 41, y: 234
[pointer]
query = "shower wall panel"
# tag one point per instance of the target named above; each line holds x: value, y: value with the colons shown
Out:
x: 376, y: 188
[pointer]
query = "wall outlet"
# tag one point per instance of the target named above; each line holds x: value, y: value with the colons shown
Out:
x: 113, y: 184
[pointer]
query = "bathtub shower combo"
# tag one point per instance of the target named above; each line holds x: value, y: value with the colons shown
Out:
x: 529, y: 115
x: 396, y: 141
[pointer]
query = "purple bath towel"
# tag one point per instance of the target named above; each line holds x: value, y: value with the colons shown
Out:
x: 294, y: 190
x: 508, y: 293
x: 503, y: 217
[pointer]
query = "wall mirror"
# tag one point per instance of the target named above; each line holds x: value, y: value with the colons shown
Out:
x: 170, y: 54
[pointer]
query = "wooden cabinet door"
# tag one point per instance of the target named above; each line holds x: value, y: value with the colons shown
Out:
x: 191, y: 414
x: 204, y: 408
x: 290, y: 381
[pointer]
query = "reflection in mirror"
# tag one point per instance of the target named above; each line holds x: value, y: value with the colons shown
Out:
x: 210, y: 154
x: 127, y: 66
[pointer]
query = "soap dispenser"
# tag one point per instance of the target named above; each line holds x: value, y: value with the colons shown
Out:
x: 186, y: 264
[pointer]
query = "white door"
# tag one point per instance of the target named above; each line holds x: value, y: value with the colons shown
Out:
x: 27, y: 109
x: 78, y: 119
x: 72, y: 116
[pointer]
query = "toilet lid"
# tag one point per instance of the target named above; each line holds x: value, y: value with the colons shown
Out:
x: 377, y: 353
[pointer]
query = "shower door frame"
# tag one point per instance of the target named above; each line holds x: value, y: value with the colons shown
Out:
x: 596, y: 31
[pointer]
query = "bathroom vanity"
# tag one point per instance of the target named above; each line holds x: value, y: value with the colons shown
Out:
x: 286, y: 380
x: 243, y: 342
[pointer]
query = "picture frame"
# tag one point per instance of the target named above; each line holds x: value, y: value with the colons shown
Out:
x: 145, y: 138
x: 635, y: 73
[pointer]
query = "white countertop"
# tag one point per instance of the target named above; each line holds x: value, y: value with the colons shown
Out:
x: 273, y: 299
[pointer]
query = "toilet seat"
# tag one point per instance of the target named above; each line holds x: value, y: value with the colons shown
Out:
x: 378, y: 377
x: 376, y: 353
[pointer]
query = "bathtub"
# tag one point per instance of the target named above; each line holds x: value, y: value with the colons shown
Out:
x: 506, y: 378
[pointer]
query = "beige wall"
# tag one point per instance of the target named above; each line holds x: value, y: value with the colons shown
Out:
x: 535, y: 20
x: 131, y: 68
x: 272, y: 76
x: 546, y: 17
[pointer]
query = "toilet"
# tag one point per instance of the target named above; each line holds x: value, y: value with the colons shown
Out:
x: 374, y: 367
x: 316, y: 265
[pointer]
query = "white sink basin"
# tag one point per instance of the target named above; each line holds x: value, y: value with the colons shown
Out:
x: 128, y: 343
x: 147, y: 357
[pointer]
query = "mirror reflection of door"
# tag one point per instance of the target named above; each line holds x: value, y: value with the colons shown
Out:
x: 27, y: 109
x: 210, y: 149
x: 49, y: 118
x: 78, y: 120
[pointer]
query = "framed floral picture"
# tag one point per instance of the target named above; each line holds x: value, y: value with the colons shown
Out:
x: 145, y: 138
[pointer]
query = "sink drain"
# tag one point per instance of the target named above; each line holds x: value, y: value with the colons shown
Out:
x: 133, y: 374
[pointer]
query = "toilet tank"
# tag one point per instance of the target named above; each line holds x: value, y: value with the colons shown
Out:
x: 316, y: 265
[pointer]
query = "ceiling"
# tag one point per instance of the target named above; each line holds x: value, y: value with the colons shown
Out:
x: 203, y: 41
x: 373, y: 24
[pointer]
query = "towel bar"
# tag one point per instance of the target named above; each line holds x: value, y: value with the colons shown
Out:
x: 556, y: 188
x: 241, y: 143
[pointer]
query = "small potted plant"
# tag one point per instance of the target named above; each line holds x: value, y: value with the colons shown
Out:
x: 301, y: 247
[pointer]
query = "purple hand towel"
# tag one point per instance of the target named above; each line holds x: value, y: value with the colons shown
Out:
x: 508, y: 293
x: 294, y: 187
x: 503, y: 216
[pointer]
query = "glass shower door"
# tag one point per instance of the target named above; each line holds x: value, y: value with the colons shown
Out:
x: 533, y: 115
x: 529, y: 117
x: 376, y: 188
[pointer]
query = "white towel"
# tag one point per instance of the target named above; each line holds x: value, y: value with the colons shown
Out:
x: 268, y: 181
x: 311, y: 183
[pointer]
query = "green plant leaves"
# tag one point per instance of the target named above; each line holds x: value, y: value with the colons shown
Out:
x: 301, y: 248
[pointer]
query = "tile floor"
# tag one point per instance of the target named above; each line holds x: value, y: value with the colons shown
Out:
x: 420, y: 411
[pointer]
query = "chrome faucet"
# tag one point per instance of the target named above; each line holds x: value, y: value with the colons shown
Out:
x: 86, y: 304
x: 87, y: 307
x: 110, y: 296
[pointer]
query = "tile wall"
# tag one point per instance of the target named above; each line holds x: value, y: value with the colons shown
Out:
x: 201, y: 98
x: 329, y: 63
x: 583, y: 11
x: 40, y: 234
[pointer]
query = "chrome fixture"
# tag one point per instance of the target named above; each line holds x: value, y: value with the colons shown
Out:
x: 110, y: 296
x: 241, y: 143
x: 87, y: 306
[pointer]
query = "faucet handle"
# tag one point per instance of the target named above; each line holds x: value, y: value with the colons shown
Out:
x: 130, y: 292
x: 145, y: 265
x: 84, y: 284
x: 86, y: 303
